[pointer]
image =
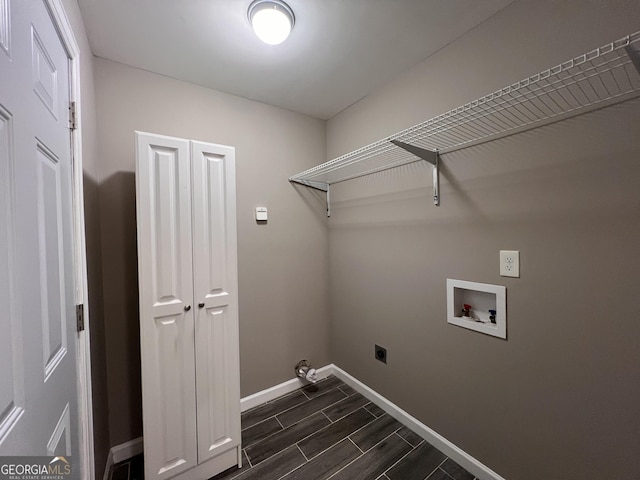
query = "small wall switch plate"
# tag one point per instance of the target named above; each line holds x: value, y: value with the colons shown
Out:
x: 510, y: 263
x: 261, y: 214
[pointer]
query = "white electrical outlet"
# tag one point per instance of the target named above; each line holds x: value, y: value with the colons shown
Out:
x: 509, y: 263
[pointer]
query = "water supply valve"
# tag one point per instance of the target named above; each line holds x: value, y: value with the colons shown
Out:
x: 306, y: 372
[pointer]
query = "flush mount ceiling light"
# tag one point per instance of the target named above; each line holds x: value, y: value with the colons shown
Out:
x: 272, y: 20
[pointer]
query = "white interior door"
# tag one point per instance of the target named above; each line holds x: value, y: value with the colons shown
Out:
x: 163, y: 193
x: 216, y: 296
x: 38, y: 392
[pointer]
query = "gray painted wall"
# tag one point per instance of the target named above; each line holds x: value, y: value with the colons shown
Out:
x: 560, y: 398
x: 92, y: 232
x: 283, y: 266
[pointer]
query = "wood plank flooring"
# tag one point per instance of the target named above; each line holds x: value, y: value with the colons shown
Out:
x: 329, y: 431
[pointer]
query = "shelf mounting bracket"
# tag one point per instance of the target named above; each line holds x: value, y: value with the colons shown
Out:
x: 328, y: 201
x: 428, y: 156
x: 634, y: 56
x: 323, y: 187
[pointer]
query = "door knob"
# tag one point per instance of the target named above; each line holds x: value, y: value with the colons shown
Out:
x: 201, y: 305
x: 187, y: 308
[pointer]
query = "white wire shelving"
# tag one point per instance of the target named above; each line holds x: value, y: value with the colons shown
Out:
x: 602, y: 77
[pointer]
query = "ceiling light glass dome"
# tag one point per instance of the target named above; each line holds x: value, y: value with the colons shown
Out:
x: 272, y: 20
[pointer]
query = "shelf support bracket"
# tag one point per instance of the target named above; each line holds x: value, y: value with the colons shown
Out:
x: 634, y: 55
x: 428, y: 156
x: 323, y: 187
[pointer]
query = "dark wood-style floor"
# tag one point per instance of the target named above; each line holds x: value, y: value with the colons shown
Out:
x: 333, y: 432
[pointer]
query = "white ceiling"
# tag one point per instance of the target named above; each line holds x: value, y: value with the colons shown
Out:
x: 339, y: 50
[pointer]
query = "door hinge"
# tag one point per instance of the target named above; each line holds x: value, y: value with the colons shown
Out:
x: 73, y: 117
x: 80, y: 317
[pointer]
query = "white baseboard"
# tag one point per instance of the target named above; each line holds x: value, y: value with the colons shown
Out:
x: 122, y: 452
x: 279, y: 390
x: 445, y: 446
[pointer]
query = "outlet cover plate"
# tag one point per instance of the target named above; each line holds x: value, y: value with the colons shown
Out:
x: 381, y: 353
x: 510, y: 263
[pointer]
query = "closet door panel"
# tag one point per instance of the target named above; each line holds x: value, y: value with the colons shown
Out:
x: 173, y: 434
x: 215, y: 290
x: 163, y: 183
x: 214, y: 226
x: 218, y: 403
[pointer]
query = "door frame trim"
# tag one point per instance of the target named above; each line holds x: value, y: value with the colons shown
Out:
x: 83, y: 352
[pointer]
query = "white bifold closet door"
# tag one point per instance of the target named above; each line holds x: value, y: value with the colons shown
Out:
x: 215, y: 290
x: 188, y: 305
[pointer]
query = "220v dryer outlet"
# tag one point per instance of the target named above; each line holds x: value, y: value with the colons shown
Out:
x: 510, y: 263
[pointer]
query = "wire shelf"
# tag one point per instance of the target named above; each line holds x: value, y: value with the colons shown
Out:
x: 602, y: 77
